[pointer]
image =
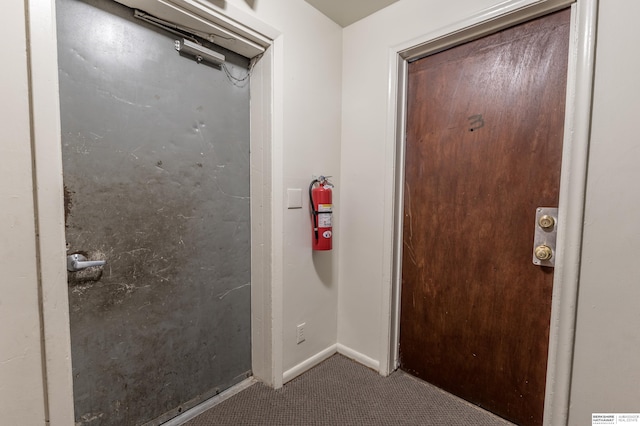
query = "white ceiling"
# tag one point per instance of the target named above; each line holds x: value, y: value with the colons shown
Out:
x: 346, y: 12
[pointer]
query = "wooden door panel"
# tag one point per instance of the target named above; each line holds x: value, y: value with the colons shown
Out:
x: 484, y: 146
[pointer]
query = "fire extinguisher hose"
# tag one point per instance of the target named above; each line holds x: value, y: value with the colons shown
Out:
x: 314, y: 212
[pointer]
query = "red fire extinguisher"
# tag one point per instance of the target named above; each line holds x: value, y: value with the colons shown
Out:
x: 321, y: 213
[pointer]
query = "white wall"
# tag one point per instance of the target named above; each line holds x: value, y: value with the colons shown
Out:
x: 307, y: 142
x: 21, y: 375
x: 606, y: 375
x: 365, y: 252
x: 311, y: 146
x: 320, y: 63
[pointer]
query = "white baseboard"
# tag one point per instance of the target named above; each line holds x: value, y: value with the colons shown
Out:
x: 210, y: 403
x: 358, y: 357
x: 308, y: 364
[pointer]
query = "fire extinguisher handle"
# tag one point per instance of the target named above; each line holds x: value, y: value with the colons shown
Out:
x: 314, y: 212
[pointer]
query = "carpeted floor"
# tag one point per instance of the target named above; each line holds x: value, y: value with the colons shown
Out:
x: 340, y: 391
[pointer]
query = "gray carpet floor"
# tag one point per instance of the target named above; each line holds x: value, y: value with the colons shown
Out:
x: 340, y: 391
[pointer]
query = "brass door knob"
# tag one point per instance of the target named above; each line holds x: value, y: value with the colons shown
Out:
x: 543, y: 252
x: 546, y: 221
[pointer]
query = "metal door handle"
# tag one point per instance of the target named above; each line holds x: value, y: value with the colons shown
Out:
x: 77, y: 262
x: 543, y: 252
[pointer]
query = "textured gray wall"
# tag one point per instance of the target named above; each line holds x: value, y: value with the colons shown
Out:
x: 156, y: 171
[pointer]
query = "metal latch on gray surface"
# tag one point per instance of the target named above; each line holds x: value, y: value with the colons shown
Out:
x: 77, y: 262
x: 544, y: 241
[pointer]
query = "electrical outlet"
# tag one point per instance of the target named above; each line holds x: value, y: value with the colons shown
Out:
x: 300, y: 333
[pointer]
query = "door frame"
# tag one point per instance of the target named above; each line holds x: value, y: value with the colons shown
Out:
x: 572, y: 181
x: 266, y: 85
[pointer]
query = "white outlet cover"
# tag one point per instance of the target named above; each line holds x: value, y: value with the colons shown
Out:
x: 294, y: 198
x: 300, y: 333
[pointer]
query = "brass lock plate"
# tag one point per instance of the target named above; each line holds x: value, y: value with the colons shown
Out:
x: 544, y: 241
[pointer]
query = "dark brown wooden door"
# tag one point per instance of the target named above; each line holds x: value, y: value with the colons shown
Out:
x: 484, y: 146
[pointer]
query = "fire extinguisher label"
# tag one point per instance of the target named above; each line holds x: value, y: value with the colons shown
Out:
x: 326, y: 234
x: 324, y: 220
x: 325, y: 208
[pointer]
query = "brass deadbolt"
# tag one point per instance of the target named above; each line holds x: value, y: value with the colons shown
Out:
x: 546, y: 221
x: 543, y: 252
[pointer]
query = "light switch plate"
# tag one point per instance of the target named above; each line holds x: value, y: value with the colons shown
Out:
x: 294, y: 198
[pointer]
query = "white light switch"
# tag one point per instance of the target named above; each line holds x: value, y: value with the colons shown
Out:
x: 294, y: 198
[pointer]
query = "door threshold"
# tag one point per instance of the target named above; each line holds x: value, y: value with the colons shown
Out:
x: 211, y: 402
